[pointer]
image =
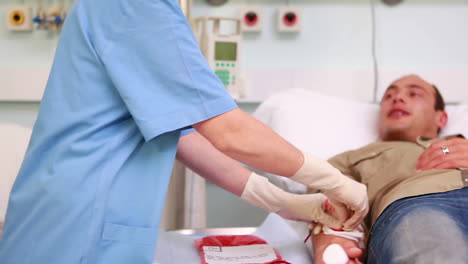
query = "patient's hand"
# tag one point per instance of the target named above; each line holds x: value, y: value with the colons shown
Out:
x: 434, y: 158
x: 321, y: 242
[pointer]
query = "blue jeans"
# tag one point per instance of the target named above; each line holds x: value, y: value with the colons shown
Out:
x: 424, y: 229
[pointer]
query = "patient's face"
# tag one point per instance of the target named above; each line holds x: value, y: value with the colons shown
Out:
x: 407, y: 110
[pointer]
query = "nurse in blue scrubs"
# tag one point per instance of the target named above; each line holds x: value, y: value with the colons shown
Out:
x: 127, y: 79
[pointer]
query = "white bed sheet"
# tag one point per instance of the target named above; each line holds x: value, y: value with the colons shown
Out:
x: 285, y: 236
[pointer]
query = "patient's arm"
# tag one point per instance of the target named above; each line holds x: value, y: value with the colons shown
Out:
x: 321, y: 241
x: 434, y: 158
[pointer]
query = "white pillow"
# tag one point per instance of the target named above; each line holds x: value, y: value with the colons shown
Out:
x: 320, y: 124
x: 457, y: 120
x: 13, y: 141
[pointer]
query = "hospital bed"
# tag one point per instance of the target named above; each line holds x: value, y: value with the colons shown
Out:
x: 314, y: 122
x: 324, y: 125
x: 317, y: 123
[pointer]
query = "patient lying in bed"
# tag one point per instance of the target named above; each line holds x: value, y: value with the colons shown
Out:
x: 417, y: 195
x: 416, y: 184
x: 416, y: 216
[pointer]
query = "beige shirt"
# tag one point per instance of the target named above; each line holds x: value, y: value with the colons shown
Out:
x: 388, y: 169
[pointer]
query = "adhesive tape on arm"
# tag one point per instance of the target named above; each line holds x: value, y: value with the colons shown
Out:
x: 335, y: 254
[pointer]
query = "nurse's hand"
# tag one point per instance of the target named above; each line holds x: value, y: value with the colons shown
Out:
x: 318, y: 174
x: 299, y: 207
x: 307, y: 208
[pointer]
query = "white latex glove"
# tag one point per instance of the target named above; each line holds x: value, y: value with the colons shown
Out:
x: 300, y: 207
x: 318, y: 174
x: 336, y: 210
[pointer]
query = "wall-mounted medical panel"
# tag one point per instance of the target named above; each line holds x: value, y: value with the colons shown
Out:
x: 50, y: 18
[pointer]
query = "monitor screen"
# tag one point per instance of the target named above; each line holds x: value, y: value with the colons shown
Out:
x: 226, y: 51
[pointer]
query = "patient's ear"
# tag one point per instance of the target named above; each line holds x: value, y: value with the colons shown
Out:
x: 441, y: 119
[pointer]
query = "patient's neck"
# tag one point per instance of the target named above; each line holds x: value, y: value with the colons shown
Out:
x: 404, y: 136
x: 398, y: 136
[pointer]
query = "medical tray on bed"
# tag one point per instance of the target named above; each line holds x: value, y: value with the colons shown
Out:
x: 285, y: 236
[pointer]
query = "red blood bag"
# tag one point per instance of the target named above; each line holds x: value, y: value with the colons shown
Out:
x: 237, y: 249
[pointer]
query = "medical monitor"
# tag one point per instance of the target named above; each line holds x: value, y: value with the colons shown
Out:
x: 225, y: 51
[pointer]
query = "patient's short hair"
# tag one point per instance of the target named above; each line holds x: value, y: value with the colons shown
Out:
x: 439, y: 100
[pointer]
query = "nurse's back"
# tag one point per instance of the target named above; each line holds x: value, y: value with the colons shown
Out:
x: 80, y: 186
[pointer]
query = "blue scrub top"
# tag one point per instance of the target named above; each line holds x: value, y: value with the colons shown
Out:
x: 128, y: 76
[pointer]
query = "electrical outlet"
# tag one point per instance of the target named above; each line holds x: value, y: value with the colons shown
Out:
x: 19, y: 18
x: 251, y: 19
x: 289, y: 19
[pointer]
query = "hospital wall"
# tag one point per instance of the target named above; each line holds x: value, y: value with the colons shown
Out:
x: 331, y: 54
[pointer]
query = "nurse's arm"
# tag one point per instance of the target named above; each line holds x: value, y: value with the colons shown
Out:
x: 245, y: 139
x: 199, y: 155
